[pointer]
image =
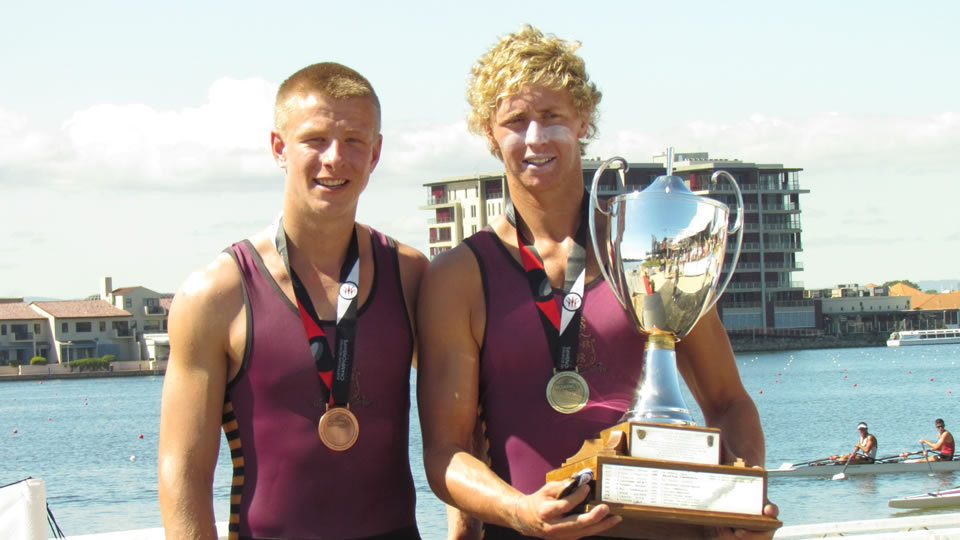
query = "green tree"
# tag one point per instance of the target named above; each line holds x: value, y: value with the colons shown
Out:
x: 38, y: 361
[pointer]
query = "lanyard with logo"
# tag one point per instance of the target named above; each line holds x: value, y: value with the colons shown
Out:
x: 338, y: 427
x: 567, y: 391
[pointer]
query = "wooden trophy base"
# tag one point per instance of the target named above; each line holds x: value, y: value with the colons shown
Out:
x: 661, y: 499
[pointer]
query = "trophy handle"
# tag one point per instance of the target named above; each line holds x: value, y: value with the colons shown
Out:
x: 737, y: 227
x: 595, y: 205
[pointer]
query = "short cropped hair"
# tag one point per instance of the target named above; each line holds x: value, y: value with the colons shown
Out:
x: 524, y: 58
x: 329, y: 79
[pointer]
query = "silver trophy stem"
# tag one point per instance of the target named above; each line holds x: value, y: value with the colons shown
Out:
x: 658, y: 398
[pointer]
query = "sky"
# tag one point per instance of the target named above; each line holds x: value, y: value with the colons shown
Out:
x: 134, y: 136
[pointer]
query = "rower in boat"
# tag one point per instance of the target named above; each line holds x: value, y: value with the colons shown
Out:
x: 944, y: 444
x: 866, y: 449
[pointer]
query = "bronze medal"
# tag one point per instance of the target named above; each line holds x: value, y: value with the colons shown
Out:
x: 567, y: 392
x: 338, y: 428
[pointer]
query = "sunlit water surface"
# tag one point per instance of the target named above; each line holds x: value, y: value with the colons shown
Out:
x: 83, y: 436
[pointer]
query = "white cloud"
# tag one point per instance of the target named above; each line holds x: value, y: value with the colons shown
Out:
x: 223, y: 142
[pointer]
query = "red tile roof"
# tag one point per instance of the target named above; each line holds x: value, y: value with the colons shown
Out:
x: 125, y: 290
x: 18, y: 312
x: 81, y: 308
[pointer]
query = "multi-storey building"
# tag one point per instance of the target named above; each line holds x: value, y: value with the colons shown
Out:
x: 762, y: 293
x: 148, y: 310
x: 85, y: 329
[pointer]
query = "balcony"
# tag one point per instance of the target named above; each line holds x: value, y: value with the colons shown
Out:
x: 123, y: 333
x: 440, y: 221
x: 790, y: 227
x: 783, y: 267
x: 780, y: 285
x: 431, y: 201
x: 154, y: 311
x: 781, y: 207
x: 22, y: 337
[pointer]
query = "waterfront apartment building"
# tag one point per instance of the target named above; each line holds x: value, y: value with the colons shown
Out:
x: 762, y: 295
x: 129, y: 323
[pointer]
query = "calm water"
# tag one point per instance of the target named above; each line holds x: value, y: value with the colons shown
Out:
x: 83, y: 436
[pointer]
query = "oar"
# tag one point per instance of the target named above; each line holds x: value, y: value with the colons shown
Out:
x: 896, y: 457
x: 840, y: 475
x: 785, y: 466
x: 930, y: 466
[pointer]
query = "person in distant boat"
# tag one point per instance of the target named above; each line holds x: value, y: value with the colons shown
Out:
x: 866, y: 449
x: 299, y: 342
x: 944, y: 444
x: 490, y: 351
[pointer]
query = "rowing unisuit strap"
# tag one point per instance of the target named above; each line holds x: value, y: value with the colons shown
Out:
x: 562, y: 328
x: 335, y: 376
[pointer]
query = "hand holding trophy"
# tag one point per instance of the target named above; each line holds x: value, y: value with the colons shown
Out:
x: 663, y: 250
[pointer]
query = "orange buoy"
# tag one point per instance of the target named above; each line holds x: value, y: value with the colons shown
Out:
x: 14, y: 431
x: 141, y: 436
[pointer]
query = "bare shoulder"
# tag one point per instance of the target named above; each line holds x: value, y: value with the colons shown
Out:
x: 452, y: 290
x: 412, y: 261
x: 456, y: 264
x: 207, y: 303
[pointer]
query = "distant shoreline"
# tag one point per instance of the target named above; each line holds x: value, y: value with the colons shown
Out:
x: 80, y: 375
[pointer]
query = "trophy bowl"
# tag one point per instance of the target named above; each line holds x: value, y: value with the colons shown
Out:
x: 663, y: 254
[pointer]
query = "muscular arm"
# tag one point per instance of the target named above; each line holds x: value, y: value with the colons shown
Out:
x: 203, y: 311
x: 938, y: 444
x: 412, y: 265
x: 451, y: 316
x: 706, y: 361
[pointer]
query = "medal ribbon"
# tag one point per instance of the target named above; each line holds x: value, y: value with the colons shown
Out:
x: 560, y: 324
x: 334, y: 376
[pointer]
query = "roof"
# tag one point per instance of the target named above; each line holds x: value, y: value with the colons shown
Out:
x: 926, y: 301
x: 902, y: 289
x: 124, y: 290
x: 18, y: 312
x: 81, y: 308
x: 950, y: 300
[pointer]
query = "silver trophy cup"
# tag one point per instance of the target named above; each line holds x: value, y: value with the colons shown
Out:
x: 662, y: 257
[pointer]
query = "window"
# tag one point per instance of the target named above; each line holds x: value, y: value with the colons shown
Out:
x: 36, y: 328
x: 64, y: 327
x: 103, y: 326
x: 473, y: 210
x: 127, y: 303
x: 473, y: 229
x: 3, y: 329
x: 84, y: 327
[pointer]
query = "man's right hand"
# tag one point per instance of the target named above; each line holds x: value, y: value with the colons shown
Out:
x: 543, y: 515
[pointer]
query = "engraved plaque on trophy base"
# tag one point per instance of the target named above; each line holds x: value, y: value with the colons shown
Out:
x: 660, y: 498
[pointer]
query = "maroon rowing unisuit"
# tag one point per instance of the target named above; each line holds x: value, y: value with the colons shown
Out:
x: 286, y: 483
x: 527, y: 437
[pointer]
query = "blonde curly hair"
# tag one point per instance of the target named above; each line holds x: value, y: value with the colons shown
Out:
x: 524, y: 58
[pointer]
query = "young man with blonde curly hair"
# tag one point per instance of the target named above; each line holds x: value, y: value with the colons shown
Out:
x: 487, y: 350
